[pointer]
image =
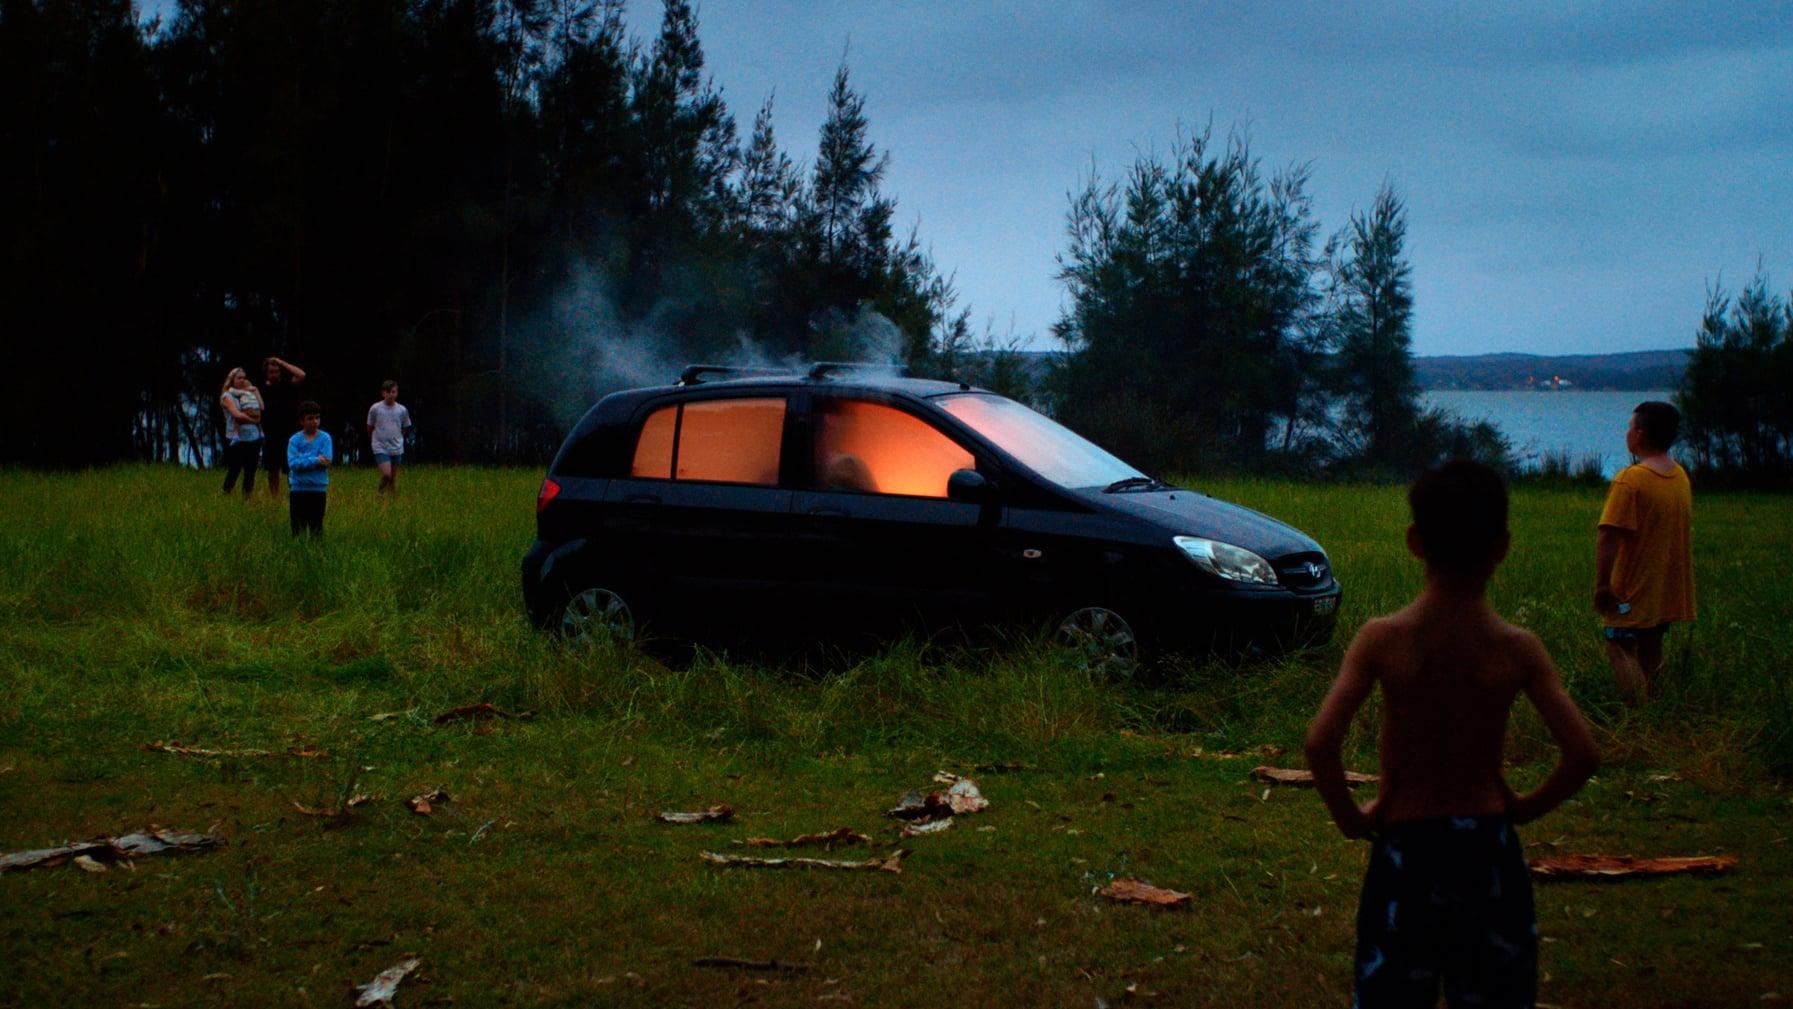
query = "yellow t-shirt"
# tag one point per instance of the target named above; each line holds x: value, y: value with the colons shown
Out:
x: 1654, y: 568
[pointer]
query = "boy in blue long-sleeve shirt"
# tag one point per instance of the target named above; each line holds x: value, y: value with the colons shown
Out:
x: 308, y: 455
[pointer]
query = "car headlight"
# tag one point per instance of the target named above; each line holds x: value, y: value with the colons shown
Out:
x: 1235, y: 564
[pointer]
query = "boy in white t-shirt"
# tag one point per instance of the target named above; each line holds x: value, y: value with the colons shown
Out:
x: 387, y: 423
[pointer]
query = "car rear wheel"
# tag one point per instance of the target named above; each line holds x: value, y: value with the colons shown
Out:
x: 596, y: 615
x: 1101, y: 641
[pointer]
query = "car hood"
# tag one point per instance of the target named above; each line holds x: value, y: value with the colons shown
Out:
x: 1191, y: 513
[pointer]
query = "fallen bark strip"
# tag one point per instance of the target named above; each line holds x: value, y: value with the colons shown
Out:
x: 715, y: 814
x: 892, y: 864
x: 732, y: 962
x: 843, y: 835
x: 178, y: 749
x: 110, y: 849
x: 1133, y: 891
x: 1621, y: 866
x: 334, y: 814
x: 384, y: 986
x: 1291, y: 776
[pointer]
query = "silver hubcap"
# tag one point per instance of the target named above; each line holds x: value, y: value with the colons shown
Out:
x: 595, y: 615
x: 1102, y: 640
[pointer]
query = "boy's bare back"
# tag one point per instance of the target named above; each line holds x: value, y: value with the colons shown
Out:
x: 1449, y: 668
x: 1449, y: 673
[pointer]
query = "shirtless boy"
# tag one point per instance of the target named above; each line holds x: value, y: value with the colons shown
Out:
x: 1447, y: 896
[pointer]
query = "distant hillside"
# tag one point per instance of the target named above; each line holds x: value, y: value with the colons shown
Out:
x: 1639, y: 370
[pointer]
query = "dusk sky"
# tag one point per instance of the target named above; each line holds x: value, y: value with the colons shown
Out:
x: 1575, y: 175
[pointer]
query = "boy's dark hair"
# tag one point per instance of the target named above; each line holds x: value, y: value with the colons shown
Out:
x: 391, y: 383
x: 308, y: 408
x: 1459, y: 513
x: 1659, y: 423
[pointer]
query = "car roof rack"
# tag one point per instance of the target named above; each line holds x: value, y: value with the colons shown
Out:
x: 822, y: 369
x: 694, y: 374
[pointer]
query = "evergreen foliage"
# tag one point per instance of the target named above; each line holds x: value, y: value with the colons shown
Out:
x: 1737, y: 393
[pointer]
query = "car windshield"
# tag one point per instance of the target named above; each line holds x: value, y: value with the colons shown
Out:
x: 1043, y: 445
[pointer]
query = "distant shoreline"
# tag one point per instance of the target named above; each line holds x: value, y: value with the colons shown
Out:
x: 1635, y: 371
x: 1632, y: 371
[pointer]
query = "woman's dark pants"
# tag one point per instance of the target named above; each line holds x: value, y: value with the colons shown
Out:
x: 241, y: 457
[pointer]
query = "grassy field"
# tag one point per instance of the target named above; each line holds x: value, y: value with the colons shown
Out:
x: 137, y: 605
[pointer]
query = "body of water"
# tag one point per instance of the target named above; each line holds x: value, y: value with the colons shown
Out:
x: 1584, y: 424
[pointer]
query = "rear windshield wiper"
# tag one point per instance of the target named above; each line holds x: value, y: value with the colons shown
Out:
x: 1133, y: 483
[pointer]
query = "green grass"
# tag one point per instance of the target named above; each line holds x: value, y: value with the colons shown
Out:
x: 138, y: 605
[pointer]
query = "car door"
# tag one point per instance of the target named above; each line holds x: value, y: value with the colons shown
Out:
x: 703, y: 509
x: 875, y: 527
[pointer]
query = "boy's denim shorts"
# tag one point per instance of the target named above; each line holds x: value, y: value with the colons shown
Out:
x: 382, y: 458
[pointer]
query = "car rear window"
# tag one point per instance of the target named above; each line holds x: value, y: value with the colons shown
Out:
x: 725, y: 441
x: 878, y: 449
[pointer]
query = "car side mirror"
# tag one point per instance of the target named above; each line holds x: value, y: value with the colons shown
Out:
x: 969, y: 485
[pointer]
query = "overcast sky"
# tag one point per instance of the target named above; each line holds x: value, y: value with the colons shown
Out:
x: 1575, y: 175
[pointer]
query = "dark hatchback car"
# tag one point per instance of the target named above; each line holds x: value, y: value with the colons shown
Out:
x: 796, y: 502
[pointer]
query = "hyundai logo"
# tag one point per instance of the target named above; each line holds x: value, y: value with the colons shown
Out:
x: 1314, y: 571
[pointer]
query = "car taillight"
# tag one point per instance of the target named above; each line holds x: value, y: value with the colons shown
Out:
x: 550, y: 490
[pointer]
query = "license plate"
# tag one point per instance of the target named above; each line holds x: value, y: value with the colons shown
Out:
x: 1326, y: 605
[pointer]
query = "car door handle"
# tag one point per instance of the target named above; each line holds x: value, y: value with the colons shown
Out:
x: 642, y: 499
x: 829, y: 511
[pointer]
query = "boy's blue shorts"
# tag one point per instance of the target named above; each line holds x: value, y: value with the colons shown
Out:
x: 1447, y: 901
x: 1624, y: 634
x: 382, y: 458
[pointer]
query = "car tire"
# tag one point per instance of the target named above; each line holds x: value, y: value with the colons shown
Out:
x: 598, y: 612
x: 1101, y: 641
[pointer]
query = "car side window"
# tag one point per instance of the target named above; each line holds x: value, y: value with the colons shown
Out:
x: 878, y: 449
x: 731, y: 441
x: 653, y: 450
x: 724, y: 440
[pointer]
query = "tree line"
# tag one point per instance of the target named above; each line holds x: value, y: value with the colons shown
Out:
x: 498, y: 201
x: 514, y: 205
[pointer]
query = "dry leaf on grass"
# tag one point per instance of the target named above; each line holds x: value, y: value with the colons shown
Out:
x: 382, y: 988
x: 1132, y: 891
x: 108, y: 849
x: 478, y: 713
x: 181, y: 750
x: 426, y: 803
x: 892, y: 864
x: 1620, y: 866
x: 843, y: 835
x: 715, y: 814
x: 1291, y: 776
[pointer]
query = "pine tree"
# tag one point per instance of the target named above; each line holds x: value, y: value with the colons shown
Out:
x: 1374, y: 360
x: 1190, y: 289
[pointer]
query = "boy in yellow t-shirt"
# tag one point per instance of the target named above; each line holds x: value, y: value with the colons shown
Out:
x: 1643, y: 557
